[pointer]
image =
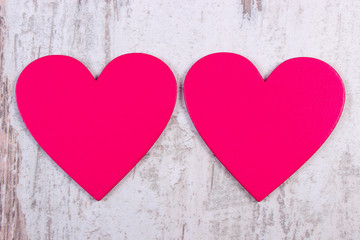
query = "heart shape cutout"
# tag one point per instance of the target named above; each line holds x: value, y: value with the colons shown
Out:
x: 263, y: 132
x: 96, y: 130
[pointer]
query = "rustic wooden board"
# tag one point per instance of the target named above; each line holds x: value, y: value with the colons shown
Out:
x: 179, y: 190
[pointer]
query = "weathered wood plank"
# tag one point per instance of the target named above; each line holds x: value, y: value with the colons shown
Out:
x: 12, y: 219
x: 179, y: 190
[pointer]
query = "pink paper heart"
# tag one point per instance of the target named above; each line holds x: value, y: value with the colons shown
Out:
x: 96, y: 131
x: 262, y: 132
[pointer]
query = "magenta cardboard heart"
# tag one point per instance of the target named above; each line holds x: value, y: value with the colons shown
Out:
x: 96, y: 130
x: 263, y: 131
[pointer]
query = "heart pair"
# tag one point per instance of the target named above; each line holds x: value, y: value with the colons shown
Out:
x: 97, y: 130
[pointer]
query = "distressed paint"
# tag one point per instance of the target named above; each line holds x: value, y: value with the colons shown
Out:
x: 249, y: 6
x: 180, y: 190
x: 12, y: 218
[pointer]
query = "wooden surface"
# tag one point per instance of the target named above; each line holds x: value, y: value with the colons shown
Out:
x: 180, y: 190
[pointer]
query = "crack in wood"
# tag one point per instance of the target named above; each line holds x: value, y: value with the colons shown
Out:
x: 249, y: 5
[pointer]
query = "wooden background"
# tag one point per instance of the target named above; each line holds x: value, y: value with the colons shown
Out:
x: 180, y: 190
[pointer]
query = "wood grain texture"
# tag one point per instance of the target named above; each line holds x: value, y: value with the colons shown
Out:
x: 249, y: 6
x: 12, y: 219
x: 180, y: 190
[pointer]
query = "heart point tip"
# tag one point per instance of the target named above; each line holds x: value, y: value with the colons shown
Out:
x: 259, y: 199
x: 98, y: 198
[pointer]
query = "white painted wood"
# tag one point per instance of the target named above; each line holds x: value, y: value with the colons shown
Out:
x: 180, y: 190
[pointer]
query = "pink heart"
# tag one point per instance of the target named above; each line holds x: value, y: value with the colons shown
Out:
x: 262, y: 132
x: 96, y: 131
